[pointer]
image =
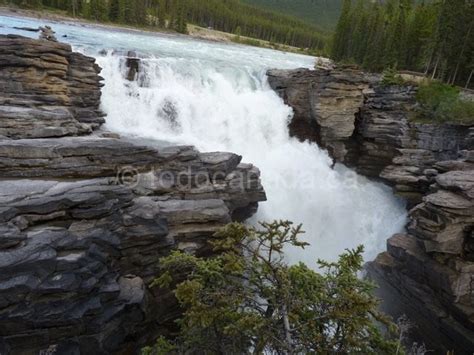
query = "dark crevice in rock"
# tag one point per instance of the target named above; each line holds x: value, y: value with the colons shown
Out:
x: 305, y: 130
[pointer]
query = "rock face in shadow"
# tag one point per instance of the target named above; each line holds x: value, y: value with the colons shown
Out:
x: 369, y: 126
x: 85, y: 219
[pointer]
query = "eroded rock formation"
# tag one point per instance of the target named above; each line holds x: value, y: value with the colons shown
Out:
x: 325, y: 104
x: 370, y: 127
x: 84, y: 219
x: 47, y: 90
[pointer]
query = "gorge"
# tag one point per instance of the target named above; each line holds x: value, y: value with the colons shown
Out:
x: 86, y: 213
x: 371, y: 127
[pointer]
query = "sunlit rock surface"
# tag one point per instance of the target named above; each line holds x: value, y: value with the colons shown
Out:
x: 47, y: 90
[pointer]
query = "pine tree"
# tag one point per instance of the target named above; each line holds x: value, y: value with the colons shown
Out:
x: 162, y: 14
x: 114, y: 10
x: 360, y: 29
x: 373, y: 41
x: 248, y: 298
x: 181, y: 21
x: 342, y: 35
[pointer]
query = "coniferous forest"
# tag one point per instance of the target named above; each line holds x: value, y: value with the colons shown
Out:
x: 432, y: 37
x: 321, y: 13
x: 230, y: 16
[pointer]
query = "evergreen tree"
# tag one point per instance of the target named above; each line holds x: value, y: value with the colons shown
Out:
x: 114, y: 10
x: 247, y: 299
x: 238, y: 32
x: 359, y: 44
x: 162, y: 13
x: 181, y: 16
x: 373, y: 54
x: 342, y: 38
x: 86, y: 10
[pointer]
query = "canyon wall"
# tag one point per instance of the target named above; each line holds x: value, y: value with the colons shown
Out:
x: 370, y: 127
x: 85, y: 215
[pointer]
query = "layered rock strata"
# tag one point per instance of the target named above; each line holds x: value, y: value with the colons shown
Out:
x: 84, y: 219
x: 325, y: 104
x: 371, y: 127
x: 47, y: 90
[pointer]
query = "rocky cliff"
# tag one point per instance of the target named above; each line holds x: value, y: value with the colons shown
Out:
x: 369, y: 126
x: 85, y: 216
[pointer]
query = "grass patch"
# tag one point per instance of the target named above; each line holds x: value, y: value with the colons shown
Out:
x: 247, y: 41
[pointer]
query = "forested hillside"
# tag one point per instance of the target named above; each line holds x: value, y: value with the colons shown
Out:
x: 321, y: 13
x: 435, y: 37
x: 225, y: 15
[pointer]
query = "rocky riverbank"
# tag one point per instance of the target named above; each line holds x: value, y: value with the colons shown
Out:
x: 369, y: 126
x: 85, y: 215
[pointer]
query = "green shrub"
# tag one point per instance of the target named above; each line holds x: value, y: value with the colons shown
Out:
x: 436, y: 94
x: 441, y: 103
x: 391, y: 77
x: 462, y: 112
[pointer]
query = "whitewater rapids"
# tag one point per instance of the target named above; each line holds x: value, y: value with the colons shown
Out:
x: 216, y: 97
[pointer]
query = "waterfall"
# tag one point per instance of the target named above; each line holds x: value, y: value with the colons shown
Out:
x: 216, y: 97
x: 230, y: 107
